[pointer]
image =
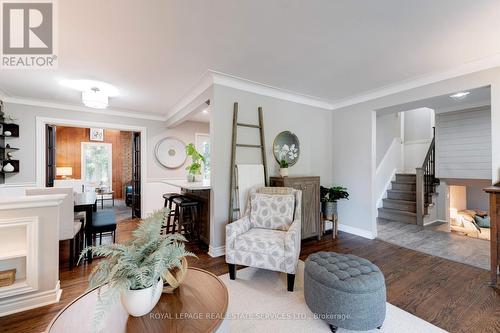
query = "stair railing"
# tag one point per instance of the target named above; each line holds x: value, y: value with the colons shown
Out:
x: 426, y: 177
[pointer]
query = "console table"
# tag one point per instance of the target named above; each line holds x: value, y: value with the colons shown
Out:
x: 494, y: 193
x: 198, y: 305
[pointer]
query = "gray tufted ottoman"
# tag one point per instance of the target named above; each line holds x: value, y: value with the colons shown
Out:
x: 345, y: 291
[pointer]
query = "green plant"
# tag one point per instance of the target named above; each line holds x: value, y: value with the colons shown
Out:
x: 136, y: 264
x: 283, y: 164
x: 333, y: 194
x: 196, y: 159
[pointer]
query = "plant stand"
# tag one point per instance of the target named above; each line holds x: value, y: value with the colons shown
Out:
x: 335, y: 225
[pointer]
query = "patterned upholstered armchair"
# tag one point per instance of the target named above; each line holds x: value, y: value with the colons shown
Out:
x: 268, y: 235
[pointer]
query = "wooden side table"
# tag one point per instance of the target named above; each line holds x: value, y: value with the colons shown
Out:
x: 198, y: 305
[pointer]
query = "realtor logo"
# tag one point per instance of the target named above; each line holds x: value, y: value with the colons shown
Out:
x: 28, y: 34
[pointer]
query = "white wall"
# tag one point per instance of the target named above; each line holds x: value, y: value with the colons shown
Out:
x: 353, y: 142
x: 156, y: 130
x: 418, y: 125
x: 311, y: 125
x: 463, y: 144
x: 388, y: 128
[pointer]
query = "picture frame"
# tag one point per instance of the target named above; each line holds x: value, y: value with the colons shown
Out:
x: 97, y: 134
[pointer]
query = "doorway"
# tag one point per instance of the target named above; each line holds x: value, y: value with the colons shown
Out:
x: 87, y: 165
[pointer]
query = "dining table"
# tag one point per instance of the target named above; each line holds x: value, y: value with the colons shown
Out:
x: 86, y: 202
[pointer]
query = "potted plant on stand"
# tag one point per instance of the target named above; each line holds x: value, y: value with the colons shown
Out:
x: 329, y: 198
x: 133, y: 271
x: 194, y: 169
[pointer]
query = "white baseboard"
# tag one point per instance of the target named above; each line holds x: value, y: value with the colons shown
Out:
x: 216, y: 251
x: 356, y: 231
x: 30, y: 301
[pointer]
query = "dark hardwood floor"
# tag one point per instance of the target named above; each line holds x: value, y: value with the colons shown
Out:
x: 453, y: 296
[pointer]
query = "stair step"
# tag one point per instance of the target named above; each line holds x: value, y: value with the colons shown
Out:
x: 402, y: 205
x: 397, y: 215
x: 404, y: 186
x: 406, y: 177
x: 402, y: 195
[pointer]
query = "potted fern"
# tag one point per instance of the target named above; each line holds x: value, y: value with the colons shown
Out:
x: 194, y: 169
x: 133, y: 271
x: 329, y: 198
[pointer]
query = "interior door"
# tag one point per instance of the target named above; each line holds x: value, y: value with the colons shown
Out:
x: 50, y: 155
x: 136, y: 175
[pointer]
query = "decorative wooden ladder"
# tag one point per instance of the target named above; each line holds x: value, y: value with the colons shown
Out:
x: 233, y: 189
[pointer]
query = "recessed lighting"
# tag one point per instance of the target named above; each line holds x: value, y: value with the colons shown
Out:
x: 460, y: 95
x: 205, y: 111
x: 88, y: 85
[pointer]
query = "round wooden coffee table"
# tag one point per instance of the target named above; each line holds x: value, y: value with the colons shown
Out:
x: 198, y: 305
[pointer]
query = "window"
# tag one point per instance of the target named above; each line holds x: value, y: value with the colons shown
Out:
x: 202, y: 142
x: 97, y: 165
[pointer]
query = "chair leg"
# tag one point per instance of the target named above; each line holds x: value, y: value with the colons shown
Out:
x: 114, y: 236
x: 71, y: 252
x: 291, y: 281
x: 333, y: 328
x: 232, y: 271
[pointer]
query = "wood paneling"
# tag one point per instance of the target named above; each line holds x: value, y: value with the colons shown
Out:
x: 463, y: 144
x: 453, y: 296
x: 69, y: 149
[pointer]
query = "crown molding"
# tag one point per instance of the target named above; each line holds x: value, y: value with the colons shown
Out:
x: 239, y: 83
x: 467, y: 68
x: 79, y: 108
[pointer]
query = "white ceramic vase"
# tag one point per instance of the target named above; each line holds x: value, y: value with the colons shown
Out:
x: 284, y: 172
x: 141, y: 302
x: 8, y: 167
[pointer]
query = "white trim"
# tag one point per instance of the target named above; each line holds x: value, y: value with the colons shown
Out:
x: 356, y: 231
x: 418, y: 142
x: 80, y: 108
x: 218, y: 251
x: 30, y: 301
x: 383, y: 194
x: 461, y: 107
x: 40, y: 144
x: 31, y: 201
x: 83, y: 166
x: 239, y: 83
x: 464, y: 69
x: 26, y: 184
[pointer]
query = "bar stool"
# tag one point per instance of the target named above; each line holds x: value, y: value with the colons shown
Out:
x: 169, y: 197
x: 186, y: 217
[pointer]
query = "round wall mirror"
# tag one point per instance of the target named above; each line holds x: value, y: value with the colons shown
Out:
x: 286, y: 147
x: 171, y: 153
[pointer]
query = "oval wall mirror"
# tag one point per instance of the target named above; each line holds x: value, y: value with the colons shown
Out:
x: 171, y: 152
x: 286, y: 147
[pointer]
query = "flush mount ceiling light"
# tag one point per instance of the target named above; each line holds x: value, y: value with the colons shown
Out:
x: 460, y: 95
x: 95, y: 98
x: 205, y: 111
x: 95, y: 94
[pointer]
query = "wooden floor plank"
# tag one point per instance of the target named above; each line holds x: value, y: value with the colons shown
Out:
x: 450, y: 295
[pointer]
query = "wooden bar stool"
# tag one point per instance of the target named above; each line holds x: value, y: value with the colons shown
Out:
x: 186, y: 217
x: 169, y: 197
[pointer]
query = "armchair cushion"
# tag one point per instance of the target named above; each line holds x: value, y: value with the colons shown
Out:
x: 264, y: 241
x: 271, y: 211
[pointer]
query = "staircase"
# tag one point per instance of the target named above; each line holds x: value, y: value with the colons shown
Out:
x: 401, y: 202
x: 411, y: 195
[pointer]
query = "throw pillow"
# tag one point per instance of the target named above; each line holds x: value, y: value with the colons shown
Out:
x: 270, y: 211
x: 483, y: 222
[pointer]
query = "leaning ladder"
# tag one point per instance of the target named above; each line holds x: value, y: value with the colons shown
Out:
x: 233, y: 189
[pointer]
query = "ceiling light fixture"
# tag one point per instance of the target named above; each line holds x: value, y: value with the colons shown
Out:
x: 460, y: 95
x: 95, y: 98
x: 205, y: 111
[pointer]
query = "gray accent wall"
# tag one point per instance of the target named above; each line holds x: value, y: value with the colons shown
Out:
x: 463, y: 144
